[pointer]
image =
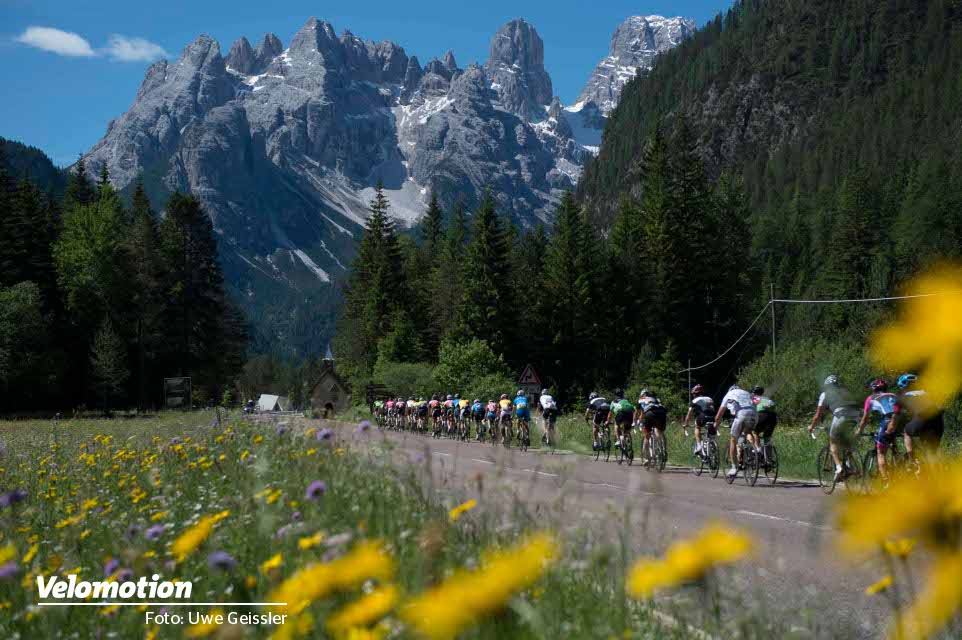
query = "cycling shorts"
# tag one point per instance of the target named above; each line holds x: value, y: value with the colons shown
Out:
x: 655, y: 417
x: 436, y: 412
x: 601, y: 413
x: 551, y: 415
x: 928, y: 430
x: 744, y: 422
x: 522, y: 413
x: 491, y: 416
x: 702, y: 418
x: 767, y: 421
x: 505, y: 414
x: 623, y: 419
x: 842, y: 423
x: 884, y: 439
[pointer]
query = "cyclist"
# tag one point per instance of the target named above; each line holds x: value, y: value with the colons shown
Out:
x: 523, y: 414
x: 504, y: 417
x: 767, y: 416
x: 391, y: 413
x: 422, y: 414
x: 919, y: 415
x: 448, y: 413
x: 379, y: 412
x: 624, y: 413
x: 600, y: 408
x: 883, y: 403
x: 844, y: 409
x: 477, y: 414
x: 491, y: 417
x: 549, y: 414
x: 401, y: 407
x: 651, y: 414
x: 435, y: 406
x: 702, y: 408
x: 740, y: 405
x: 464, y: 416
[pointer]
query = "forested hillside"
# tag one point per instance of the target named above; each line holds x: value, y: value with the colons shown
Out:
x: 100, y: 301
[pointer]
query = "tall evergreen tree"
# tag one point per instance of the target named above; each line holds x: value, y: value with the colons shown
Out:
x: 486, y: 297
x: 573, y: 302
x: 432, y: 228
x: 108, y: 363
x: 79, y: 190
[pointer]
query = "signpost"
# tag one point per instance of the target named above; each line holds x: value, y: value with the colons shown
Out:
x: 530, y: 382
x: 177, y: 393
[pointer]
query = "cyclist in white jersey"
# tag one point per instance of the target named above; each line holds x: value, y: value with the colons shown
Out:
x: 740, y: 405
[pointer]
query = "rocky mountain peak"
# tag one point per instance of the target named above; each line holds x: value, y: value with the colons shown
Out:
x: 449, y: 62
x: 515, y: 67
x: 241, y: 56
x: 634, y: 45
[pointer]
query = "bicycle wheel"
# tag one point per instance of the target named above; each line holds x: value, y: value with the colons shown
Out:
x: 597, y: 446
x: 713, y: 462
x: 656, y: 453
x: 523, y: 437
x: 771, y: 463
x: 825, y: 467
x: 630, y: 448
x: 870, y: 471
x: 750, y: 460
x: 852, y: 464
x: 727, y: 462
x: 697, y: 459
x: 508, y: 434
x: 607, y: 443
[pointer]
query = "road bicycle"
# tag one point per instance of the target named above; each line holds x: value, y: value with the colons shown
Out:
x: 524, y: 434
x: 507, y: 431
x: 604, y: 446
x: 749, y: 465
x: 899, y: 464
x: 707, y: 457
x: 768, y: 461
x: 627, y: 448
x: 657, y: 457
x: 851, y: 466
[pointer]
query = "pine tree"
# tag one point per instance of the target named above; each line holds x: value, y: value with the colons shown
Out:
x: 661, y: 236
x: 432, y: 228
x: 486, y: 297
x: 79, y: 190
x: 447, y: 279
x: 108, y: 363
x: 627, y: 287
x: 103, y: 179
x: 569, y: 278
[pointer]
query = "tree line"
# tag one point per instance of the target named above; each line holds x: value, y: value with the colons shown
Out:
x: 589, y: 309
x: 100, y: 301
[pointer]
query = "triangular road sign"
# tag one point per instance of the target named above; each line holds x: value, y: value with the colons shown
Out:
x: 529, y: 377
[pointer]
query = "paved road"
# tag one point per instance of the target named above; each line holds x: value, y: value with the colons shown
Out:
x: 796, y: 568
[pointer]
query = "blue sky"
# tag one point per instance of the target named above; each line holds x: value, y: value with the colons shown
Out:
x: 62, y: 101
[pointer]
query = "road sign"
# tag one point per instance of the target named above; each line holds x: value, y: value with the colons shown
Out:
x: 529, y: 377
x: 177, y: 392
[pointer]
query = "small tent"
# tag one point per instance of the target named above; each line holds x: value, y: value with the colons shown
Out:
x: 273, y: 403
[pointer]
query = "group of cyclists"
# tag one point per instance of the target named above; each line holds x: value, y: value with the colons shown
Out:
x: 906, y: 412
x: 454, y: 417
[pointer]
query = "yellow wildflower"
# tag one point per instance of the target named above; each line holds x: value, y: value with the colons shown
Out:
x: 70, y: 521
x: 479, y: 593
x: 250, y: 582
x: 8, y: 553
x: 688, y: 560
x: 456, y: 512
x: 300, y: 626
x: 928, y: 334
x: 192, y: 538
x: 310, y: 541
x: 366, y: 610
x: 271, y: 563
x: 316, y: 581
x: 31, y: 552
x: 206, y: 626
x: 84, y: 533
x: 879, y: 586
x: 257, y: 439
x: 160, y: 515
x: 937, y: 604
x: 900, y: 548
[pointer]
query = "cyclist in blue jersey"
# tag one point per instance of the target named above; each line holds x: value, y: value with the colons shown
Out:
x: 917, y: 413
x: 523, y: 414
x: 883, y: 404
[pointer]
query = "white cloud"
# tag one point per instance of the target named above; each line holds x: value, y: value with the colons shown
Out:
x: 64, y: 43
x: 133, y: 49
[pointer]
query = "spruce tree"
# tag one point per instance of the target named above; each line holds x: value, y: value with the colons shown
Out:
x: 79, y: 190
x: 486, y: 297
x: 432, y: 228
x: 108, y: 363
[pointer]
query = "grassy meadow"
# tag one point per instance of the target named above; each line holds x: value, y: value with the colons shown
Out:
x: 250, y: 511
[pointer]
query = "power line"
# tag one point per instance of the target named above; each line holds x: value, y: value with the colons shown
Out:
x: 921, y: 295
x: 740, y: 338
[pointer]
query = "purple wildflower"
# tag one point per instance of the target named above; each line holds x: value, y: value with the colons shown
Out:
x: 154, y: 532
x: 9, y: 571
x: 316, y: 490
x: 282, y: 532
x: 125, y: 575
x: 175, y: 440
x: 364, y: 426
x: 339, y: 539
x: 281, y: 429
x: 132, y: 531
x: 112, y: 565
x: 296, y: 516
x: 13, y: 497
x: 221, y: 560
x: 325, y: 435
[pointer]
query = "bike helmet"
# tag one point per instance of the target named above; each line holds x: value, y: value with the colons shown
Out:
x: 646, y: 392
x: 619, y: 393
x: 733, y: 387
x: 697, y: 389
x: 476, y: 401
x: 830, y: 381
x: 544, y: 392
x: 520, y: 393
x: 757, y: 391
x: 450, y: 397
x: 434, y: 397
x: 907, y: 380
x: 504, y: 396
x: 878, y: 385
x: 457, y: 396
x: 592, y: 396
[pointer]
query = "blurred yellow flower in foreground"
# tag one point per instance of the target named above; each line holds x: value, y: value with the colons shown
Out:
x: 688, y: 560
x: 300, y: 626
x: 937, y: 604
x: 316, y: 581
x: 192, y: 538
x: 204, y: 628
x: 461, y: 509
x: 879, y: 586
x: 929, y: 506
x: 468, y: 596
x: 7, y: 553
x: 900, y: 548
x: 929, y: 334
x: 271, y: 563
x: 366, y: 610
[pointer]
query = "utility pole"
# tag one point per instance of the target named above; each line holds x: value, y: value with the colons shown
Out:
x: 771, y: 301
